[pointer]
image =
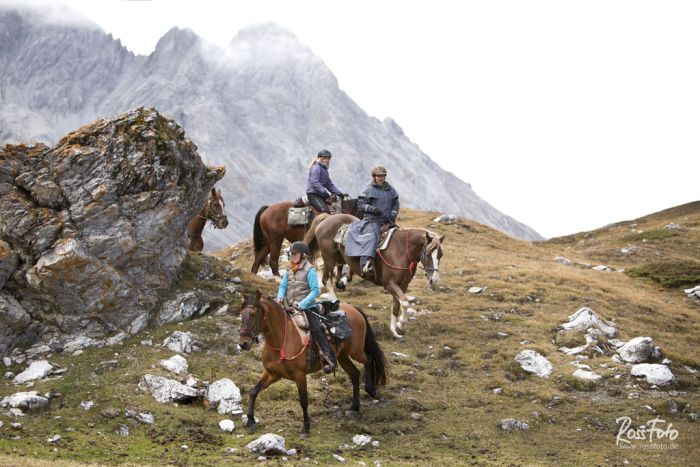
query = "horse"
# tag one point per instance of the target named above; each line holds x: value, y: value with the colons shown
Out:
x: 213, y: 211
x: 394, y: 267
x: 284, y: 353
x: 270, y: 228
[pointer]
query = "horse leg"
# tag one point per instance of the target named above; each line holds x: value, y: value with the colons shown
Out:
x: 339, y: 275
x: 259, y: 258
x: 354, y: 374
x: 265, y: 380
x: 304, y: 402
x: 275, y: 247
x: 398, y: 315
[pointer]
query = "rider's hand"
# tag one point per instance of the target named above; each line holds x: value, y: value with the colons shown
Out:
x: 371, y: 209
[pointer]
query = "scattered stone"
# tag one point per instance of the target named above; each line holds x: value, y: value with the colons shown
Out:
x: 110, y: 413
x: 87, y: 405
x: 176, y: 364
x: 24, y: 401
x: 585, y: 319
x: 181, y: 342
x: 533, y: 362
x: 672, y: 226
x: 143, y: 417
x: 586, y: 375
x: 446, y: 219
x: 497, y: 391
x: 54, y: 439
x: 502, y: 334
x: 564, y: 261
x: 266, y: 274
x: 666, y: 361
x: 654, y: 373
x: 244, y: 419
x: 361, y: 440
x: 184, y: 306
x: 167, y: 390
x: 116, y: 339
x: 693, y: 292
x: 37, y: 370
x: 227, y: 425
x: 224, y: 396
x: 591, y: 342
x: 9, y: 375
x: 16, y: 426
x: 221, y: 311
x: 147, y: 342
x: 339, y: 458
x: 7, y: 361
x: 628, y: 250
x: 476, y: 290
x: 637, y: 350
x: 510, y: 425
x: 122, y: 430
x: 268, y: 444
x: 603, y: 268
x: 399, y: 355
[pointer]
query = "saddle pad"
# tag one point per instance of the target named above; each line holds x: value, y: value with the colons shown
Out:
x: 341, y: 236
x: 299, y: 216
x: 386, y: 238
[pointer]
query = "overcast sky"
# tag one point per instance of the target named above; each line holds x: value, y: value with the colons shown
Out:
x: 564, y: 115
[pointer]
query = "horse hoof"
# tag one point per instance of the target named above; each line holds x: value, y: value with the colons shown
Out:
x: 303, y: 435
x: 252, y: 428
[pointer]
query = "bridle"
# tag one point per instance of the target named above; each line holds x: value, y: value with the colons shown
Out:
x: 254, y: 332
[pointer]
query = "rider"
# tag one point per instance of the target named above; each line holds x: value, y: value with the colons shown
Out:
x: 299, y: 288
x: 319, y: 184
x: 380, y: 205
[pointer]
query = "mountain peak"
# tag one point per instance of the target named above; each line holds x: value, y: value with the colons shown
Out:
x: 177, y: 39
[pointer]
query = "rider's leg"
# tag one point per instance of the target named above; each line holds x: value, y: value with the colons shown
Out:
x: 318, y: 203
x: 329, y: 361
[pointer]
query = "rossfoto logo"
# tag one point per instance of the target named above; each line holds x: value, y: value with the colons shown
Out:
x: 653, y: 435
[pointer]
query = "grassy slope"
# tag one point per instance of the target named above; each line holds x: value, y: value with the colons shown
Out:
x: 527, y: 296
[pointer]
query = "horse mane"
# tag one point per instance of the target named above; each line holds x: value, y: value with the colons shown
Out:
x: 310, y: 237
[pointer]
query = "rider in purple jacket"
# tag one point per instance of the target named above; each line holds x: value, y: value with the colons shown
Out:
x: 319, y: 185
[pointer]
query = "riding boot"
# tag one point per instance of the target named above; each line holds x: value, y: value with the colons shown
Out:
x: 327, y: 356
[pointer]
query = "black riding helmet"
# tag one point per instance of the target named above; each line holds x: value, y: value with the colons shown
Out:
x: 299, y: 247
x: 324, y: 153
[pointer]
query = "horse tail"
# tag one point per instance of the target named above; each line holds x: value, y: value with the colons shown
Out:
x: 310, y: 237
x: 258, y: 236
x: 376, y: 361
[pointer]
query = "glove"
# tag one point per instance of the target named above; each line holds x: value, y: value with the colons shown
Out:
x: 393, y: 216
x: 369, y: 209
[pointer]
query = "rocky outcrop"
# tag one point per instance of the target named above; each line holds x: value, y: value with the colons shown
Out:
x: 92, y: 231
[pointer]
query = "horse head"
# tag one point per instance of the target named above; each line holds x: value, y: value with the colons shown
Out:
x: 214, y: 210
x: 431, y: 255
x: 252, y: 317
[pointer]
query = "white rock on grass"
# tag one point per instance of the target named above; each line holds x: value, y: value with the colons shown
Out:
x: 586, y: 375
x: 361, y: 440
x: 654, y: 373
x: 167, y: 390
x: 227, y: 425
x: 533, y: 362
x: 143, y: 417
x: 268, y: 444
x: 637, y: 350
x: 224, y: 396
x: 25, y: 401
x: 446, y: 219
x: 37, y: 370
x: 603, y: 268
x: 693, y: 292
x: 476, y: 290
x: 585, y: 319
x: 511, y: 424
x: 7, y: 361
x: 181, y: 342
x: 176, y: 364
x: 564, y: 261
x: 87, y: 405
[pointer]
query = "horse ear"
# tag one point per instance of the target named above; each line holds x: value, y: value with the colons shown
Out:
x: 213, y: 191
x: 257, y: 295
x: 442, y: 239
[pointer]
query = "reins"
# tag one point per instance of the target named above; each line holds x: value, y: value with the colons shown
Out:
x: 411, y: 266
x: 256, y: 331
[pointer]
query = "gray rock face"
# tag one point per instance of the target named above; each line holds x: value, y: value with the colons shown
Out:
x: 98, y: 224
x: 268, y: 444
x: 533, y: 362
x: 224, y: 396
x: 167, y: 390
x: 264, y: 105
x: 653, y: 373
x: 637, y: 350
x: 184, y: 306
x: 25, y: 401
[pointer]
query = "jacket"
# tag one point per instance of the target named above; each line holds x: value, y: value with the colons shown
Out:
x: 319, y: 181
x: 301, y: 288
x: 379, y: 203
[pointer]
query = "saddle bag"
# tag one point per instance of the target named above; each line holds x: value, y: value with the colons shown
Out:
x: 341, y: 236
x: 299, y: 216
x: 338, y: 326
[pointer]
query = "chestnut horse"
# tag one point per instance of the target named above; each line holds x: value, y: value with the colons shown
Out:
x: 212, y: 211
x: 394, y: 267
x: 270, y: 228
x: 284, y: 353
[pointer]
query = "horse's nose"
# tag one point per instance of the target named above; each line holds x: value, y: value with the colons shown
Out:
x: 224, y: 223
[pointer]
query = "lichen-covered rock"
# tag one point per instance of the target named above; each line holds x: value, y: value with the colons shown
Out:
x: 93, y: 229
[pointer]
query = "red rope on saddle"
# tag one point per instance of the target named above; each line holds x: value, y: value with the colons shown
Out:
x: 411, y: 266
x: 283, y: 354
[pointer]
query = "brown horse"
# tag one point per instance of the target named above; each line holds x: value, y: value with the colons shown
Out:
x: 394, y: 267
x: 213, y: 211
x: 284, y: 353
x: 270, y: 228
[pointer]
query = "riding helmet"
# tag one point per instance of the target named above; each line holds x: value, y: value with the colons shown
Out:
x: 378, y: 170
x: 299, y: 247
x: 324, y: 153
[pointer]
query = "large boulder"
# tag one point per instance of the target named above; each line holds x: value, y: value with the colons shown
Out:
x: 93, y: 229
x: 585, y: 319
x: 653, y: 373
x: 535, y: 363
x: 224, y: 396
x: 637, y: 350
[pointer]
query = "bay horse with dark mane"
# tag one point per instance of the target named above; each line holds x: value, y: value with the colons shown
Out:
x: 284, y: 353
x: 270, y: 228
x: 394, y: 267
x: 212, y: 211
